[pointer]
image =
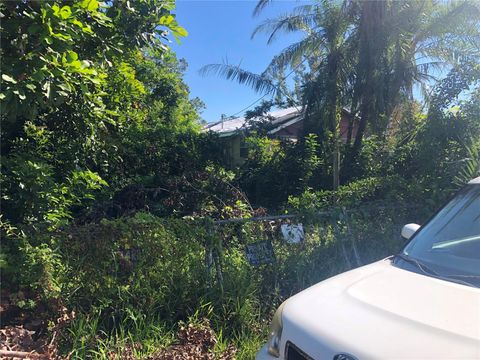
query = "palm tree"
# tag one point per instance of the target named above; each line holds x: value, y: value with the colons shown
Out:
x: 365, y: 54
x: 325, y: 46
x: 404, y: 43
x: 325, y: 95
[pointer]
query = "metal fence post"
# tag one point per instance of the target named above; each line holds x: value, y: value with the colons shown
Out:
x: 352, y: 238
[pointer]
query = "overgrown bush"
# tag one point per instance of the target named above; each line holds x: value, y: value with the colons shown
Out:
x: 129, y: 276
x: 275, y: 169
x: 141, y: 262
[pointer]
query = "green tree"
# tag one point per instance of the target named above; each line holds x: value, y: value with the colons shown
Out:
x: 324, y: 97
x: 326, y: 40
x: 402, y: 44
x: 71, y: 86
x: 57, y: 54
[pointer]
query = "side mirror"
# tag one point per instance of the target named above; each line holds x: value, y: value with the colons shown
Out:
x: 409, y: 229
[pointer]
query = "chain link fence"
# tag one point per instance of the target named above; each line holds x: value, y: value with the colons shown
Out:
x: 333, y: 241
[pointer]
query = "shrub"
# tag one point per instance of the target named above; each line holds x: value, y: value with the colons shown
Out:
x: 141, y: 262
x: 274, y: 169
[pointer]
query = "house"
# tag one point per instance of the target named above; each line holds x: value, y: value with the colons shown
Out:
x: 285, y: 124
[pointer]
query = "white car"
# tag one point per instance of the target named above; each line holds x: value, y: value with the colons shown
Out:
x: 423, y: 303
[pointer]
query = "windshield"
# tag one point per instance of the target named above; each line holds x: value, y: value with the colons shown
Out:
x: 449, y: 244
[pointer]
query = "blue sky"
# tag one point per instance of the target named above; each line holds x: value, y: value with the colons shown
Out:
x: 220, y: 30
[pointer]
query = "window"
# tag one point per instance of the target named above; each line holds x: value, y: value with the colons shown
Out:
x: 449, y: 243
x: 243, y: 149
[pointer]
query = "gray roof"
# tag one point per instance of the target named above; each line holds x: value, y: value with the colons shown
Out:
x: 228, y: 127
x: 475, y: 181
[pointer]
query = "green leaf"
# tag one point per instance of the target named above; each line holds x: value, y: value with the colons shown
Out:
x: 8, y: 78
x: 70, y: 57
x: 61, y: 36
x: 129, y: 7
x: 90, y: 5
x: 94, y: 80
x: 65, y: 12
x: 78, y: 23
x: 180, y: 31
x: 56, y: 10
x: 28, y: 14
x: 93, y: 5
x: 39, y: 75
x: 21, y: 95
x: 87, y: 29
x: 64, y: 87
x: 166, y: 20
x: 85, y: 64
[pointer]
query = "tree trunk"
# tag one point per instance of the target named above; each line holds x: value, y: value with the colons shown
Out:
x: 336, y: 163
x: 333, y: 112
x: 369, y: 88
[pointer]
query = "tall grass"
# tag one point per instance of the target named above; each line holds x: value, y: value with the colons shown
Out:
x: 136, y: 335
x: 139, y: 307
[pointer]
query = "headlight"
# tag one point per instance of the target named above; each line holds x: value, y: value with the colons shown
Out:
x: 276, y: 332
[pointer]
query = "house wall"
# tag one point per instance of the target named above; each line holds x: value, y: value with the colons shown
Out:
x: 233, y: 144
x: 344, y: 127
x: 293, y: 131
x: 232, y: 147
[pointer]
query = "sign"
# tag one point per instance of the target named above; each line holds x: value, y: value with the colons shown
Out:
x: 293, y: 234
x: 260, y: 253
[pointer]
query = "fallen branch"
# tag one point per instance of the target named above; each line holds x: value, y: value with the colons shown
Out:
x: 21, y: 355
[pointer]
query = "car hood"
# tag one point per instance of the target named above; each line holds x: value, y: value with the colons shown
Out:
x: 380, y: 311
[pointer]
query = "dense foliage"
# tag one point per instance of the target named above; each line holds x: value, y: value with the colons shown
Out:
x: 110, y: 189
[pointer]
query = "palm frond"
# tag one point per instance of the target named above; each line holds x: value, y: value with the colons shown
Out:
x: 451, y: 49
x: 293, y: 54
x: 304, y: 9
x: 258, y: 82
x: 451, y: 19
x: 425, y: 69
x: 286, y: 23
x: 260, y: 6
